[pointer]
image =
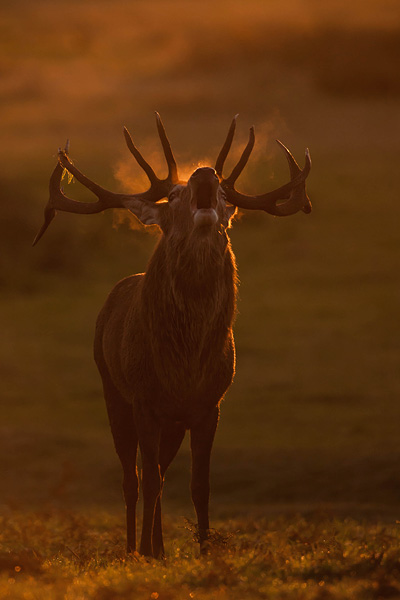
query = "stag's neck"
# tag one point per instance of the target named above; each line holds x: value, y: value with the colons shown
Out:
x: 190, y: 288
x: 200, y: 269
x: 197, y: 268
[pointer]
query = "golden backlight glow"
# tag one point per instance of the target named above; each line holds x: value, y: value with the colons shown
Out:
x: 66, y: 69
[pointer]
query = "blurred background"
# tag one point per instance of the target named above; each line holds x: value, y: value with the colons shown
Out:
x: 313, y: 416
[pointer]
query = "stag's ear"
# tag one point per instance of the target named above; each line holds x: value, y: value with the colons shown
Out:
x: 230, y: 213
x: 148, y: 213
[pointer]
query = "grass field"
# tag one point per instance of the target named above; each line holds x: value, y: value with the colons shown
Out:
x: 305, y: 474
x: 315, y: 556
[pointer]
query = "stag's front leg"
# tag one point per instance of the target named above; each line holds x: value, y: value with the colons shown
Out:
x: 171, y: 439
x: 149, y: 442
x: 201, y: 440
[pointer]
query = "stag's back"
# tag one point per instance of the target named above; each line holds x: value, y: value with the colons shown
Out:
x: 110, y: 326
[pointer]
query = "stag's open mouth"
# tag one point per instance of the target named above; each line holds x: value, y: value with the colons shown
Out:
x: 205, y: 217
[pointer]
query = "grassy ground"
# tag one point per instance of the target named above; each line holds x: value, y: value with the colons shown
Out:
x: 306, y: 457
x: 63, y: 555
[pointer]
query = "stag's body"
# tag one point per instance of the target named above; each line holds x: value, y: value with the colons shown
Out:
x: 164, y: 343
x: 174, y: 330
x: 173, y: 362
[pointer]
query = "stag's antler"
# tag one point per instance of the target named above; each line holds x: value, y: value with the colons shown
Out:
x: 159, y: 188
x: 272, y: 202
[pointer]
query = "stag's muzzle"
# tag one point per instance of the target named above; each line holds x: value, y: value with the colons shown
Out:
x: 203, y: 185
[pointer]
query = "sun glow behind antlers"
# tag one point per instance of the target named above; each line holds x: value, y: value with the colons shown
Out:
x: 286, y: 200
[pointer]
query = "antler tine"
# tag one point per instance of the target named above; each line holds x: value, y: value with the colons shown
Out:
x: 242, y: 161
x: 139, y: 158
x: 219, y: 165
x: 295, y: 171
x: 58, y: 200
x: 172, y: 168
x: 49, y: 211
x: 294, y: 192
x: 293, y: 166
x: 55, y: 193
x: 104, y: 196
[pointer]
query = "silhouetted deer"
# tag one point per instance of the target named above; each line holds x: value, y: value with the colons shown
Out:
x: 164, y: 344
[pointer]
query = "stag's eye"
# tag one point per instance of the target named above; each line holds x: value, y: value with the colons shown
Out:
x: 175, y: 193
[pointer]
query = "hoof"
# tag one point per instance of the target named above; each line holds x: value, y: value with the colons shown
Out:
x: 205, y: 547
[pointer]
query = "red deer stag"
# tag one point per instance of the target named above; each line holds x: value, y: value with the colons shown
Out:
x: 164, y: 344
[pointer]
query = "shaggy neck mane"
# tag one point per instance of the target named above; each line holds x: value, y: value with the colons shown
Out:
x: 189, y: 295
x: 196, y: 267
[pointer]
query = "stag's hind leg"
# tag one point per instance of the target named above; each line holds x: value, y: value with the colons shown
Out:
x: 170, y: 442
x: 120, y: 414
x: 201, y: 441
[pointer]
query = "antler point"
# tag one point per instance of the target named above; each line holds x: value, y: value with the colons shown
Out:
x: 286, y: 150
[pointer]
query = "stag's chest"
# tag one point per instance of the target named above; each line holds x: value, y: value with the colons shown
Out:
x: 182, y: 349
x: 186, y: 364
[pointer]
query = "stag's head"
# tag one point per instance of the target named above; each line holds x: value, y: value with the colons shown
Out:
x: 204, y: 204
x: 197, y: 206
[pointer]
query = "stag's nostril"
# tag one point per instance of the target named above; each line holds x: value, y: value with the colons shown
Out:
x: 204, y: 172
